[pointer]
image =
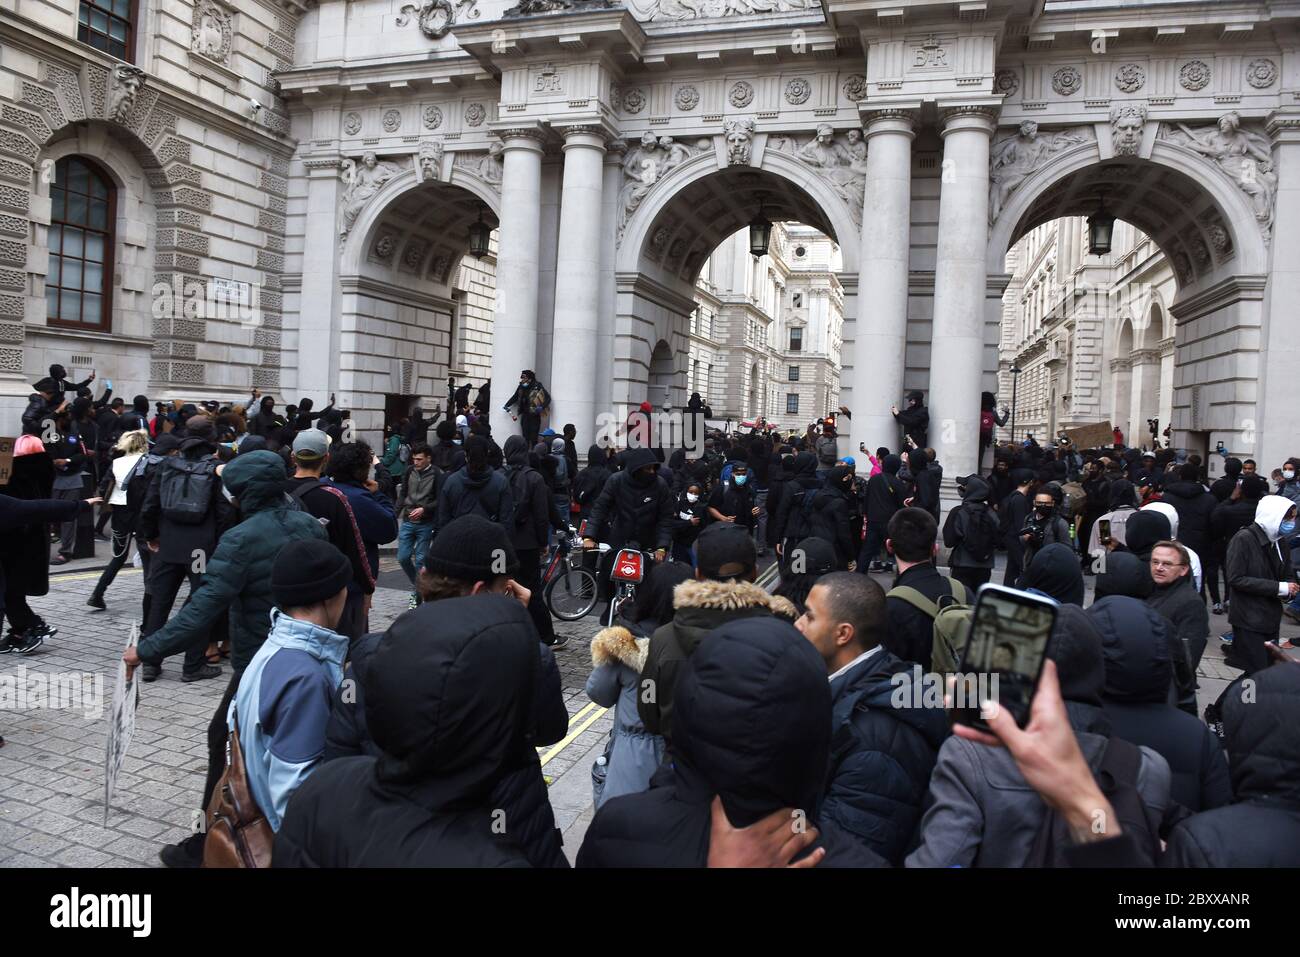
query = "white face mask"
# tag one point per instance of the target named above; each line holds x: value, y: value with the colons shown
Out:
x: 692, y: 498
x: 1288, y: 474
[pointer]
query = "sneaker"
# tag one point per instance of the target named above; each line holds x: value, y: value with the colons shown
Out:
x: 559, y: 642
x: 1218, y: 608
x: 207, y: 671
x: 149, y: 671
x: 413, y: 602
x: 10, y: 644
x: 60, y: 560
x: 187, y: 853
x: 33, y: 640
x: 96, y: 601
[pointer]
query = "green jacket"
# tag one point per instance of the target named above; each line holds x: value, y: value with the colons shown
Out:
x: 238, y: 575
x: 392, y: 460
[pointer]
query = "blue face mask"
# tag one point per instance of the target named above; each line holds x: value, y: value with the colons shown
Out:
x: 740, y: 479
x: 1287, y: 527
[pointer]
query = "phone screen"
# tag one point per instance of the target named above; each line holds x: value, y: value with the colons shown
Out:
x: 1103, y: 530
x: 1004, y: 654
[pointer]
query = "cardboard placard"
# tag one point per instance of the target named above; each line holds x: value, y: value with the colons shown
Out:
x: 1092, y: 436
x: 6, y: 459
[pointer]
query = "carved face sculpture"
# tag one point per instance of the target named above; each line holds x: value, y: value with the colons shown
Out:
x: 825, y: 134
x: 1128, y: 134
x: 370, y: 160
x: 1229, y: 123
x: 665, y: 142
x: 1029, y: 129
x: 648, y: 141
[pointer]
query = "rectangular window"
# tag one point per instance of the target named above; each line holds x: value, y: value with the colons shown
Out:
x: 792, y: 403
x: 794, y: 373
x: 78, y: 285
x: 796, y: 340
x: 106, y: 25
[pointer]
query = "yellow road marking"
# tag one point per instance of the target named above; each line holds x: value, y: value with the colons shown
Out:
x: 578, y: 716
x: 55, y: 578
x: 571, y: 735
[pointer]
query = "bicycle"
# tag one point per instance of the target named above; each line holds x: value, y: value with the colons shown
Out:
x: 627, y: 572
x: 570, y: 589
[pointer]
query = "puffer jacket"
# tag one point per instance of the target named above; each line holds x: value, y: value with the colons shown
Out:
x: 238, y: 576
x: 1262, y: 829
x: 700, y: 606
x: 520, y: 790
x: 753, y: 730
x: 1183, y: 607
x: 791, y: 518
x: 627, y: 511
x: 1256, y: 565
x: 1195, y: 507
x: 282, y: 707
x: 884, y: 743
x: 634, y: 754
x: 450, y: 709
x: 829, y: 519
x: 1139, y: 669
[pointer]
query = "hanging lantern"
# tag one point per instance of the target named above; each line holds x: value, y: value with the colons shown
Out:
x: 760, y: 230
x: 480, y: 235
x: 1101, y: 226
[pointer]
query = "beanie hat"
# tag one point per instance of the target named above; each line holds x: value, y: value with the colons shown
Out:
x: 471, y: 548
x: 27, y: 445
x: 308, y: 573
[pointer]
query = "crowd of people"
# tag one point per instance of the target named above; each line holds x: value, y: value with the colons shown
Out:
x: 765, y: 721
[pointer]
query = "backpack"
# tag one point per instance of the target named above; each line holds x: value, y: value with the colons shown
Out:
x: 986, y: 422
x: 471, y: 503
x: 404, y: 453
x: 951, y: 616
x: 538, y: 399
x: 1117, y: 775
x: 187, y: 488
x: 518, y: 478
x: 981, y: 539
x: 238, y: 833
x: 137, y: 481
x: 1075, y: 498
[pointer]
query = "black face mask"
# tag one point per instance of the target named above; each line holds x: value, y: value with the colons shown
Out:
x: 1043, y: 509
x: 643, y: 479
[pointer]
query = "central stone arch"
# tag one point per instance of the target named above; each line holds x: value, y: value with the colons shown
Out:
x: 668, y: 238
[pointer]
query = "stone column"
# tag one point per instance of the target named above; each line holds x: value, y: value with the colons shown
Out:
x: 514, y: 327
x: 577, y: 285
x: 1279, y: 349
x: 319, y: 298
x: 957, y: 346
x: 872, y: 378
x: 614, y: 154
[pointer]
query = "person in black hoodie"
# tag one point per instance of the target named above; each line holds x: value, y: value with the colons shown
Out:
x: 1055, y: 572
x: 1122, y: 573
x: 751, y: 727
x: 1137, y: 647
x: 972, y: 531
x: 1262, y: 828
x: 796, y: 503
x: 1223, y: 486
x: 688, y: 522
x: 928, y: 477
x: 881, y: 754
x: 830, y: 520
x: 463, y: 561
x: 476, y: 489
x: 733, y: 500
x: 885, y: 495
x: 635, y: 505
x: 531, y: 530
x: 1013, y: 511
x: 1230, y: 516
x: 915, y: 419
x: 588, y: 482
x: 267, y: 422
x: 450, y: 702
x: 1175, y: 597
x: 1195, y: 507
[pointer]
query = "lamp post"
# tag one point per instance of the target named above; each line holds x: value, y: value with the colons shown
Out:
x: 1015, y: 379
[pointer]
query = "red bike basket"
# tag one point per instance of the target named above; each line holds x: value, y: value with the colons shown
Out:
x: 629, y: 566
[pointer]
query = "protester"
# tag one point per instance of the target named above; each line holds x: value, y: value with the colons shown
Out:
x: 531, y: 530
x: 1175, y: 597
x: 919, y: 590
x: 792, y: 521
x: 417, y: 508
x: 883, y: 754
x: 1259, y: 573
x: 476, y: 489
x: 131, y: 450
x: 532, y: 401
x: 915, y: 419
x: 1045, y: 526
x: 885, y: 495
x: 830, y: 518
x: 1055, y: 572
x: 1013, y: 512
x: 971, y: 531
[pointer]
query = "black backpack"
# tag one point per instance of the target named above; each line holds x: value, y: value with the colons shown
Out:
x: 472, y: 502
x: 518, y: 478
x: 981, y: 539
x: 187, y: 488
x: 1117, y: 775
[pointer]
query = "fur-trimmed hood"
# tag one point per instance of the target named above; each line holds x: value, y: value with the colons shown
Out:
x: 731, y: 596
x: 617, y: 644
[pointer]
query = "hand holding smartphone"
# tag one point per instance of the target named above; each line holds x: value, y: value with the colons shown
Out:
x: 1004, y: 654
x: 1103, y: 531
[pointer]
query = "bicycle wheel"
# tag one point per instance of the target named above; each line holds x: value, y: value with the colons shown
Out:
x: 571, y: 594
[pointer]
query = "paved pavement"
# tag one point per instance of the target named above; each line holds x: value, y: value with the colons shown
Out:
x: 52, y: 766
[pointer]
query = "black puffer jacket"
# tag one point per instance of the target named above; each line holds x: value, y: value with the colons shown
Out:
x: 1263, y: 828
x: 521, y: 791
x: 1194, y: 506
x: 973, y: 518
x: 792, y: 516
x: 752, y: 728
x: 1138, y: 671
x: 886, y: 492
x: 629, y: 509
x: 450, y: 709
x: 829, y: 519
x: 1123, y: 573
x: 881, y: 754
x: 1183, y: 607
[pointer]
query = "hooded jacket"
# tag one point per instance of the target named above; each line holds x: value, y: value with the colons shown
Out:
x: 1054, y: 570
x: 1123, y: 573
x: 238, y: 575
x: 531, y: 528
x: 179, y: 542
x: 631, y: 509
x: 25, y: 547
x: 928, y: 477
x: 792, y: 518
x: 282, y: 707
x: 1139, y: 668
x: 634, y: 754
x: 753, y: 704
x: 982, y: 812
x: 486, y: 494
x: 829, y: 518
x: 1256, y: 565
x: 1262, y: 829
x: 588, y: 483
x: 700, y: 606
x: 450, y: 709
x: 882, y: 753
x: 965, y: 520
x: 1183, y: 607
x: 1195, y: 507
x: 915, y: 421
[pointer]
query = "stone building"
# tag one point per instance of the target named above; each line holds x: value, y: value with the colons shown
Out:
x: 284, y: 193
x: 765, y: 334
x: 1084, y: 330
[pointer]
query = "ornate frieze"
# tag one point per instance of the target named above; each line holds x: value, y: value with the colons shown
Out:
x: 644, y: 167
x: 840, y: 160
x: 364, y: 180
x: 1244, y: 156
x: 1016, y: 156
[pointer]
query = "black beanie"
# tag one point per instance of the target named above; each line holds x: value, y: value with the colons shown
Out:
x: 471, y: 548
x: 308, y: 573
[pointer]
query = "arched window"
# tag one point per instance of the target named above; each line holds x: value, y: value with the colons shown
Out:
x: 79, y: 284
x: 106, y: 25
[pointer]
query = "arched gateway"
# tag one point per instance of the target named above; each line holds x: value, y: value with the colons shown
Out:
x: 611, y: 146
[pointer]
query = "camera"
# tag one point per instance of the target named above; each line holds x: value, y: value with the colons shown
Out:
x: 1036, y: 528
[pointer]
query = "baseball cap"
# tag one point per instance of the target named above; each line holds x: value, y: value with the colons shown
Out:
x: 311, y: 444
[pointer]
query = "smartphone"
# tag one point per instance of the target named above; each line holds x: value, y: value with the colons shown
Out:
x: 1004, y: 654
x: 862, y: 447
x: 1103, y: 531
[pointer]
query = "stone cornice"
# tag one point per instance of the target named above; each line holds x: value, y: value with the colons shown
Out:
x: 1119, y: 364
x: 1222, y: 293
x: 1141, y: 357
x: 393, y: 292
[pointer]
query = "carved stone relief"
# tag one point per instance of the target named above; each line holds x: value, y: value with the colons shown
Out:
x: 711, y: 9
x: 855, y: 88
x: 1194, y: 75
x: 436, y: 17
x: 1016, y: 156
x: 475, y: 114
x: 645, y: 166
x: 430, y: 160
x: 1006, y: 82
x: 1127, y: 123
x: 352, y: 124
x: 364, y: 180
x: 1261, y: 73
x: 797, y: 91
x: 1067, y: 81
x: 840, y: 160
x: 432, y: 117
x: 392, y: 121
x: 1130, y: 77
x: 634, y: 101
x: 740, y: 140
x: 1245, y: 157
x: 211, y: 34
x: 742, y: 94
x: 687, y: 98
x: 124, y: 86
